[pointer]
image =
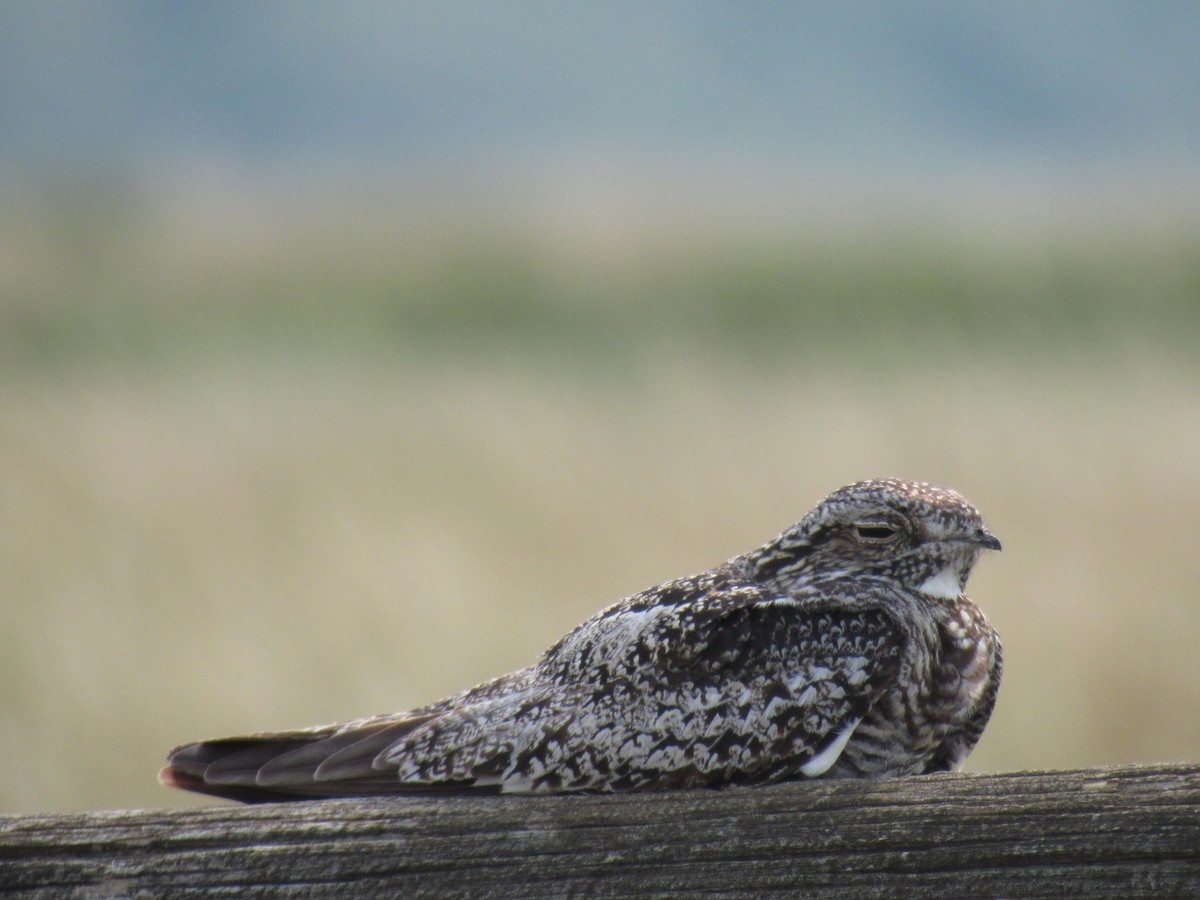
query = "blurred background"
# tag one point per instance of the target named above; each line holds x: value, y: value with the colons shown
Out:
x: 352, y: 353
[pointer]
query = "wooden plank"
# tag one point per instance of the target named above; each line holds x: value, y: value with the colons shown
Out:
x: 1127, y: 831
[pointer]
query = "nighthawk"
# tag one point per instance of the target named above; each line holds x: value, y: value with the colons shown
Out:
x: 844, y: 648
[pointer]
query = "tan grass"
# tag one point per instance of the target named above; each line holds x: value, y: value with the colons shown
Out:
x: 261, y: 546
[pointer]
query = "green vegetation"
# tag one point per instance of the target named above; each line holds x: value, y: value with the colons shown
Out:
x: 107, y: 282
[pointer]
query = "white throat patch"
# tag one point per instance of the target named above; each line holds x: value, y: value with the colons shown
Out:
x: 944, y: 585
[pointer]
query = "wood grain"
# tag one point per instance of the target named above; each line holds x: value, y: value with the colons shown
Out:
x: 1127, y: 831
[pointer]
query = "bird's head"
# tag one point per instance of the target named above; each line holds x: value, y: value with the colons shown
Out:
x: 925, y: 538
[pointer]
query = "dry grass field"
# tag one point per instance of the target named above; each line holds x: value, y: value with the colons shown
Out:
x: 262, y: 470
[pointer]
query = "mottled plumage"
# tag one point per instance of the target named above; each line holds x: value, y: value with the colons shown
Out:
x: 843, y: 648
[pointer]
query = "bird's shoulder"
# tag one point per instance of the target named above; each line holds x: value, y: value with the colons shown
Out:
x: 724, y: 616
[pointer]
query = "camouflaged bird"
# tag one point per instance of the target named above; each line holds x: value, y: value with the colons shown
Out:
x: 844, y: 648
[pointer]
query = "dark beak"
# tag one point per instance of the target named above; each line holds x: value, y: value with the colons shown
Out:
x: 988, y: 540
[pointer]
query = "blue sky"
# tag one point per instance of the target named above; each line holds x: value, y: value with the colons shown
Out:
x: 916, y: 86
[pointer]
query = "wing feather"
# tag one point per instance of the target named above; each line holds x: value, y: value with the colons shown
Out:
x: 720, y: 681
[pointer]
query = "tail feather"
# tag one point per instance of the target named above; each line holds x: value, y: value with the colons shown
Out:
x: 236, y: 761
x: 299, y: 765
x: 361, y: 758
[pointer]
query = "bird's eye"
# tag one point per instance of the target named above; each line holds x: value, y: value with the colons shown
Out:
x: 875, y: 534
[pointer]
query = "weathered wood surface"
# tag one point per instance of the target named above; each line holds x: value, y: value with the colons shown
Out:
x: 1114, y: 832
